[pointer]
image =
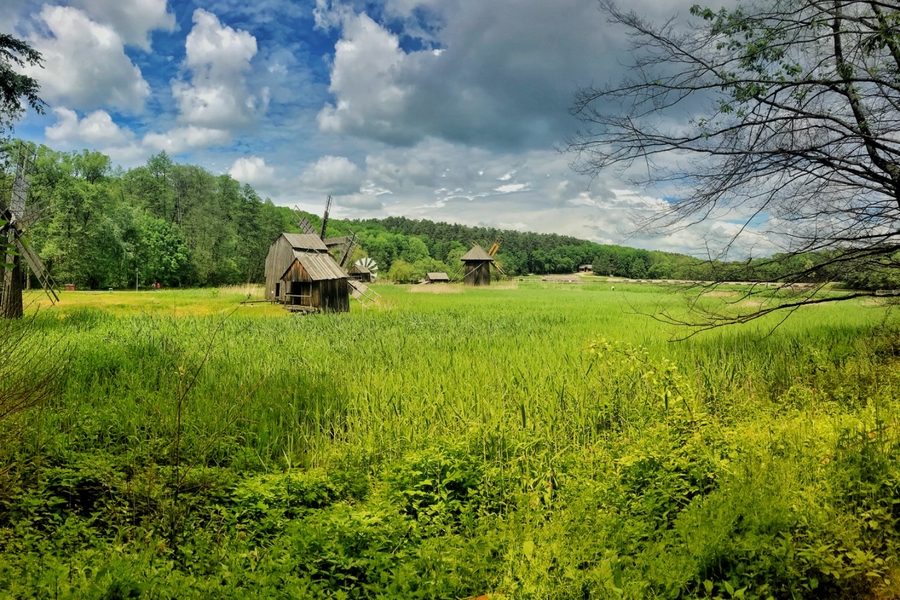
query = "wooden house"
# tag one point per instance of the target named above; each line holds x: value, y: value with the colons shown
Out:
x: 585, y: 268
x: 437, y: 277
x: 302, y: 275
x: 477, y: 266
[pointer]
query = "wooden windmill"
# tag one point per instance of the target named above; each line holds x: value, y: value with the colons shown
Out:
x: 477, y: 264
x: 15, y: 246
x: 343, y: 246
x: 307, y: 271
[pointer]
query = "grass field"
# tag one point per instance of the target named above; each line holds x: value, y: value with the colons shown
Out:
x: 531, y: 440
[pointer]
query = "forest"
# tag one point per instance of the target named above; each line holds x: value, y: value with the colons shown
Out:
x: 99, y: 226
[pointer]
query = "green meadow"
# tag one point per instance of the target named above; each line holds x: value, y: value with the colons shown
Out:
x: 530, y: 440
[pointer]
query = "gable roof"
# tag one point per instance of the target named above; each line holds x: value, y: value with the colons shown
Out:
x: 359, y: 270
x: 437, y: 276
x: 305, y: 241
x: 477, y: 253
x: 318, y: 265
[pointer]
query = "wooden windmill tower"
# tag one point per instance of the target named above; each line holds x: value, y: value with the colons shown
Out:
x: 303, y: 274
x: 477, y: 264
x: 14, y: 246
x: 342, y: 246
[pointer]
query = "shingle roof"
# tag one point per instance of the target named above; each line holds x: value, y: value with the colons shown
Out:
x: 305, y: 241
x: 318, y: 265
x: 438, y: 276
x: 477, y: 253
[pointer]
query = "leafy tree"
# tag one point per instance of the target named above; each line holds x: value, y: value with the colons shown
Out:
x: 781, y: 109
x: 403, y: 272
x: 160, y: 252
x: 17, y: 90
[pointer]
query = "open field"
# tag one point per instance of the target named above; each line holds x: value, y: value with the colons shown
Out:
x: 539, y: 440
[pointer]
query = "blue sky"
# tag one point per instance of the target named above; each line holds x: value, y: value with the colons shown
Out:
x: 449, y: 110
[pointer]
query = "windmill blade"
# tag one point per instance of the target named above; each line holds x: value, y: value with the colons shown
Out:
x: 325, y: 217
x: 302, y: 222
x: 19, y: 190
x: 37, y: 267
x: 305, y: 226
x: 348, y: 249
x: 369, y: 263
x: 362, y: 292
x: 494, y: 248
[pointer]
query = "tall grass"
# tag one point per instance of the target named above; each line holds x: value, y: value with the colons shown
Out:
x: 554, y: 425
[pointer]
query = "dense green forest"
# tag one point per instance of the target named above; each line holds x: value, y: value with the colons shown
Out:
x: 99, y: 226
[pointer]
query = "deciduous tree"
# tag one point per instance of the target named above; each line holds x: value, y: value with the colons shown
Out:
x: 783, y: 111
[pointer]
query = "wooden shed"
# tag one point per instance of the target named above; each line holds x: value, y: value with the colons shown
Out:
x: 360, y: 273
x: 585, y: 268
x: 302, y: 275
x: 437, y: 277
x: 477, y: 266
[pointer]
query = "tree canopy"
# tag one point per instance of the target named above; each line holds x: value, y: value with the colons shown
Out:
x: 16, y: 89
x: 181, y: 225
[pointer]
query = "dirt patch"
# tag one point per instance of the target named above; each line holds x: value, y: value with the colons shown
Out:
x: 719, y: 294
x: 435, y: 288
x: 754, y: 304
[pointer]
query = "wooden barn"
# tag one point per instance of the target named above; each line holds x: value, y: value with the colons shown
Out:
x: 477, y: 266
x: 302, y: 275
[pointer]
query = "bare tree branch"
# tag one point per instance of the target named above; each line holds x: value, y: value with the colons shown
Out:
x: 786, y: 112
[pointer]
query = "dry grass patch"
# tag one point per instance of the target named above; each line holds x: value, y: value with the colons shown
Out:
x: 436, y: 288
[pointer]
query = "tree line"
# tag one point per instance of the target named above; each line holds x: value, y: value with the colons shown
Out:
x: 98, y: 226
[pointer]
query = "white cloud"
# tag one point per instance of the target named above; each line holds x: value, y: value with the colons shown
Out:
x: 367, y: 62
x: 499, y: 74
x: 329, y: 14
x: 96, y: 129
x: 182, y: 139
x: 85, y: 65
x: 509, y: 188
x: 334, y: 175
x: 217, y: 95
x: 133, y: 20
x: 252, y: 170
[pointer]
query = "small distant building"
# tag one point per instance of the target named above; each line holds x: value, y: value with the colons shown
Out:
x: 360, y: 273
x: 302, y: 275
x: 477, y: 266
x: 585, y: 268
x: 438, y: 277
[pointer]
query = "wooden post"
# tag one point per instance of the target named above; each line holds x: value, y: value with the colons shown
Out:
x: 12, y: 307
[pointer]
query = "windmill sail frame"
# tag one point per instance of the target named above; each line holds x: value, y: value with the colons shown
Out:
x: 18, y: 248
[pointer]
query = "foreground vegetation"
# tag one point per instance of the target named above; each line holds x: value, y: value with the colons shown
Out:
x: 531, y: 440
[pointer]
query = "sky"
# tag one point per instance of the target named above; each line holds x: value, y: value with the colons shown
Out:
x: 448, y: 110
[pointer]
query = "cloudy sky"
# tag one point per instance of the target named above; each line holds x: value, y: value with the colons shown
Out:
x: 452, y: 110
